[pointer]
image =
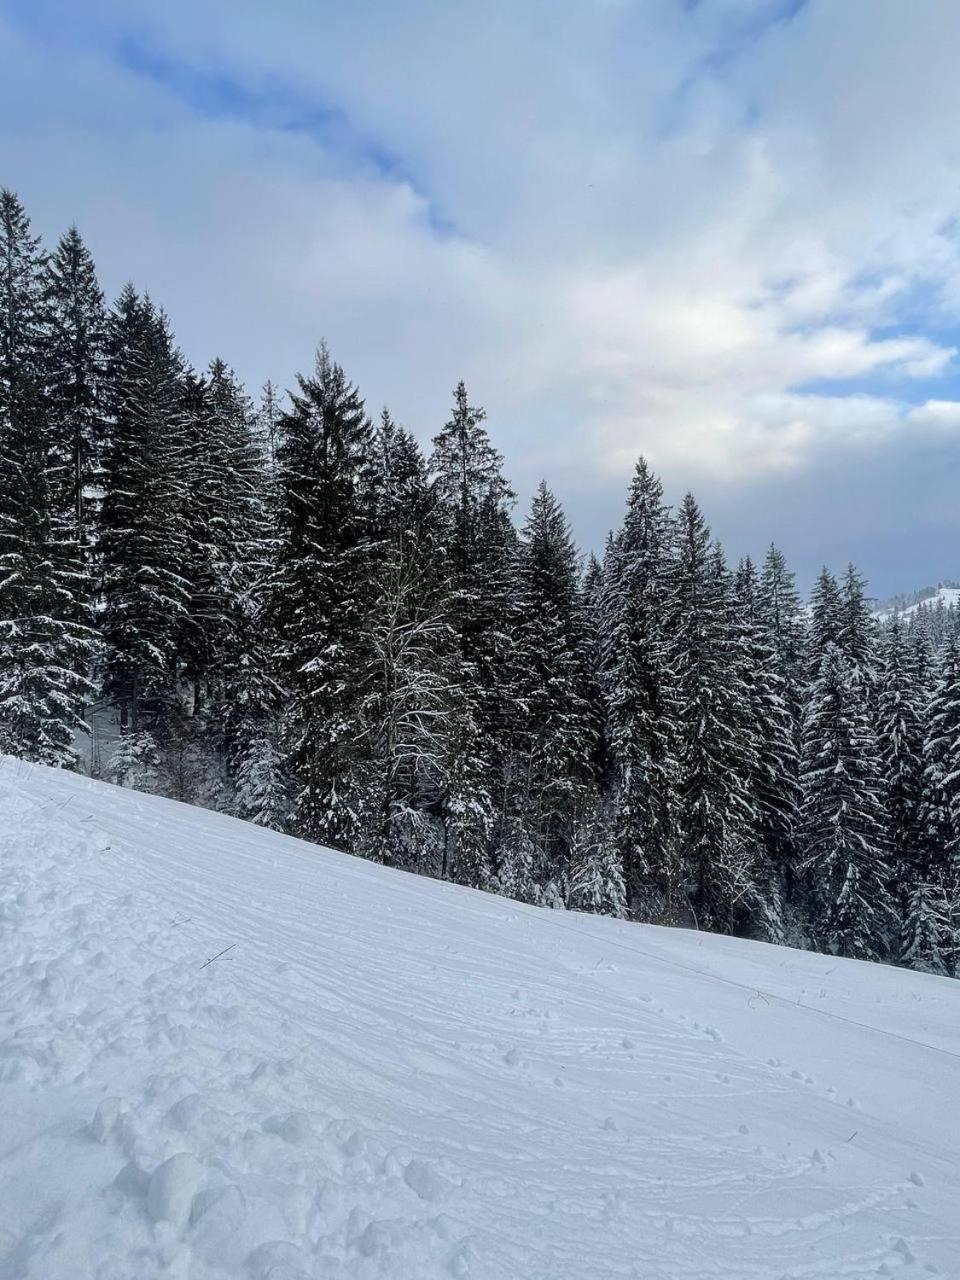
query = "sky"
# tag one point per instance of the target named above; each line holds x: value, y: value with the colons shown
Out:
x: 724, y: 234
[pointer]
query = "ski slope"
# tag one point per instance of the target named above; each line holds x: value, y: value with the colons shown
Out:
x: 389, y: 1077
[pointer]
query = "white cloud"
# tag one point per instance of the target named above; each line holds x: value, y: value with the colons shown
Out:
x: 664, y: 221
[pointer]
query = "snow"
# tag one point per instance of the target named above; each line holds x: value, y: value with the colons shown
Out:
x: 947, y: 596
x: 384, y: 1076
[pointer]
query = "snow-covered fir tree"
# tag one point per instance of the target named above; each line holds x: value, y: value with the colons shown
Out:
x: 413, y: 698
x: 261, y: 785
x: 478, y: 546
x: 551, y: 777
x: 321, y: 598
x: 142, y: 544
x: 774, y: 782
x: 76, y: 389
x: 636, y: 610
x: 596, y: 882
x: 939, y: 883
x: 900, y: 732
x: 45, y: 642
x: 843, y: 829
x: 716, y: 755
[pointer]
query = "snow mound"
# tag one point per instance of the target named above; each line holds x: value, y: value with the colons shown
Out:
x: 385, y: 1077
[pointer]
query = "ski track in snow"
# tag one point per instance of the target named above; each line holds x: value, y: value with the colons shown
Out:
x: 383, y: 1076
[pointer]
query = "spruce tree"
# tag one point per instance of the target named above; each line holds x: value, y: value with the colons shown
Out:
x: 858, y: 630
x: 321, y: 596
x: 899, y: 723
x: 413, y: 704
x: 826, y: 622
x: 597, y: 884
x: 716, y: 755
x: 636, y: 607
x: 478, y: 545
x: 781, y: 612
x: 843, y: 817
x: 45, y: 644
x: 940, y: 812
x: 553, y: 720
x: 142, y: 535
x: 774, y: 783
x: 77, y: 399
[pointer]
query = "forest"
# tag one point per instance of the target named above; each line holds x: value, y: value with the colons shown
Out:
x: 297, y: 615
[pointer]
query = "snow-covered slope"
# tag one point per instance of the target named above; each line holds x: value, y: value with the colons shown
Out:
x: 389, y: 1077
x: 946, y: 596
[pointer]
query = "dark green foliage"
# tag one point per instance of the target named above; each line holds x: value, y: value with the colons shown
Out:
x: 321, y: 599
x: 716, y: 755
x: 45, y: 643
x: 635, y: 612
x: 843, y: 820
x: 143, y: 543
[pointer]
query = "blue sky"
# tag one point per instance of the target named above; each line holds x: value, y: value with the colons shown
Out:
x: 723, y: 233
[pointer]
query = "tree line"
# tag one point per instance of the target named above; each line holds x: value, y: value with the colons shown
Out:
x: 295, y: 614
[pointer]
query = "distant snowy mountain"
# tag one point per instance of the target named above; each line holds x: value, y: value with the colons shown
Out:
x: 226, y: 1053
x: 947, y: 593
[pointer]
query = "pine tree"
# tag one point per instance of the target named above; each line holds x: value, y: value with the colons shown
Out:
x: 268, y: 425
x: 597, y: 884
x: 77, y: 401
x: 826, y: 622
x: 44, y: 643
x: 900, y: 740
x: 321, y: 598
x: 412, y: 710
x: 780, y: 611
x: 774, y: 784
x: 636, y: 613
x: 228, y: 536
x: 518, y: 863
x: 142, y: 536
x: 553, y: 723
x: 136, y: 763
x: 940, y: 814
x: 858, y: 633
x: 843, y: 818
x: 262, y: 796
x: 478, y: 546
x: 716, y: 756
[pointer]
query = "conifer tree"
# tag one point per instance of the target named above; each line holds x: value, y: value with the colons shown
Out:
x: 716, y: 756
x: 248, y: 692
x: 638, y: 679
x: 780, y: 610
x: 76, y: 376
x: 857, y: 639
x: 261, y: 785
x: 268, y: 425
x: 142, y: 538
x: 597, y: 884
x: 774, y: 783
x: 227, y: 535
x: 321, y: 597
x: 479, y: 549
x: 826, y: 622
x: 900, y: 740
x: 414, y: 705
x: 941, y: 755
x: 553, y: 717
x: 44, y: 643
x: 843, y: 819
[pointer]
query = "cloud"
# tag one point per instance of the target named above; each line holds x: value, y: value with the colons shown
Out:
x: 724, y: 232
